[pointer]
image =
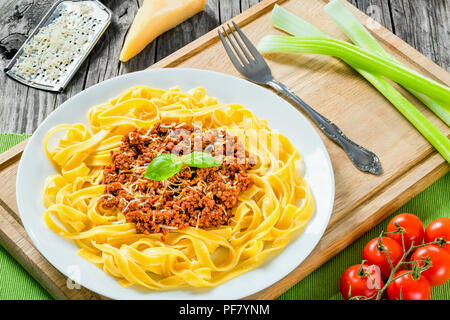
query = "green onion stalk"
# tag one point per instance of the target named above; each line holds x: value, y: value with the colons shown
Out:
x: 309, y: 39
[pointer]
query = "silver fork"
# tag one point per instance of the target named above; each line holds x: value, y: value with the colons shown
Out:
x: 250, y: 63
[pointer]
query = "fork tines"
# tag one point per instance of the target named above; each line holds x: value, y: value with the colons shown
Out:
x: 248, y: 50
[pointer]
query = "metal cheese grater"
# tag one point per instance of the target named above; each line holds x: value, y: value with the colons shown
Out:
x: 59, y: 44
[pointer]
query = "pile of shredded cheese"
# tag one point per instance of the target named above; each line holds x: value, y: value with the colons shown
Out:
x: 56, y: 46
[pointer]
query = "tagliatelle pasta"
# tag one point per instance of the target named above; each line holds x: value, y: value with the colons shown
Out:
x: 277, y: 205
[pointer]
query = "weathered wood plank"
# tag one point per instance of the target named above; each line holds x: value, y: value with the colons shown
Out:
x: 425, y: 25
x: 188, y: 31
x: 422, y: 23
x: 229, y: 9
x: 379, y: 10
x: 371, y: 199
x: 22, y: 108
x: 246, y: 4
x: 18, y: 19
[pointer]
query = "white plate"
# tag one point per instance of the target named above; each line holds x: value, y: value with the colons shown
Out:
x: 34, y: 168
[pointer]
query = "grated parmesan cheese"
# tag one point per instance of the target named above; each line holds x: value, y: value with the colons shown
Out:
x: 49, y: 54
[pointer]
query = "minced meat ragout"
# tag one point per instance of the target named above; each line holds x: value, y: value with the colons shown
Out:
x: 197, y: 197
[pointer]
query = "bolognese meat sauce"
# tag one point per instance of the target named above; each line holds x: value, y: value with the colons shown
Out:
x: 196, y: 197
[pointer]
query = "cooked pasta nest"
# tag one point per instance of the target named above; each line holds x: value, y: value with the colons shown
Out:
x: 276, y: 207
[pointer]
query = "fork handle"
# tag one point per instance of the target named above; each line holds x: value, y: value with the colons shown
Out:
x: 363, y: 159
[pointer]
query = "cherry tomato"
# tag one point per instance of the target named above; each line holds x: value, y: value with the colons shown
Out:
x: 412, y: 226
x: 373, y: 254
x: 439, y: 272
x: 356, y: 281
x: 408, y: 288
x: 437, y: 229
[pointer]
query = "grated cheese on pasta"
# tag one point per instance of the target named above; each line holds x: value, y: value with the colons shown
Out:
x: 56, y: 46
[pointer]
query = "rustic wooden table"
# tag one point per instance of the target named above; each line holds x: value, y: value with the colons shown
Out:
x: 424, y: 24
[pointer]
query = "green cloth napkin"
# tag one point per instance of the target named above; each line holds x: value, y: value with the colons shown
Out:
x: 15, y: 282
x: 322, y: 284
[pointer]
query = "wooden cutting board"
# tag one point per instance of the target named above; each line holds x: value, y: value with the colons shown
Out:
x: 410, y: 163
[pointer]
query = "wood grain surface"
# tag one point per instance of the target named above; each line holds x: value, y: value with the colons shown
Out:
x: 424, y: 24
x: 362, y: 200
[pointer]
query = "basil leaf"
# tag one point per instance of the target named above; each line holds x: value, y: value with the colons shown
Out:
x: 166, y: 165
x: 200, y: 160
x: 163, y: 166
